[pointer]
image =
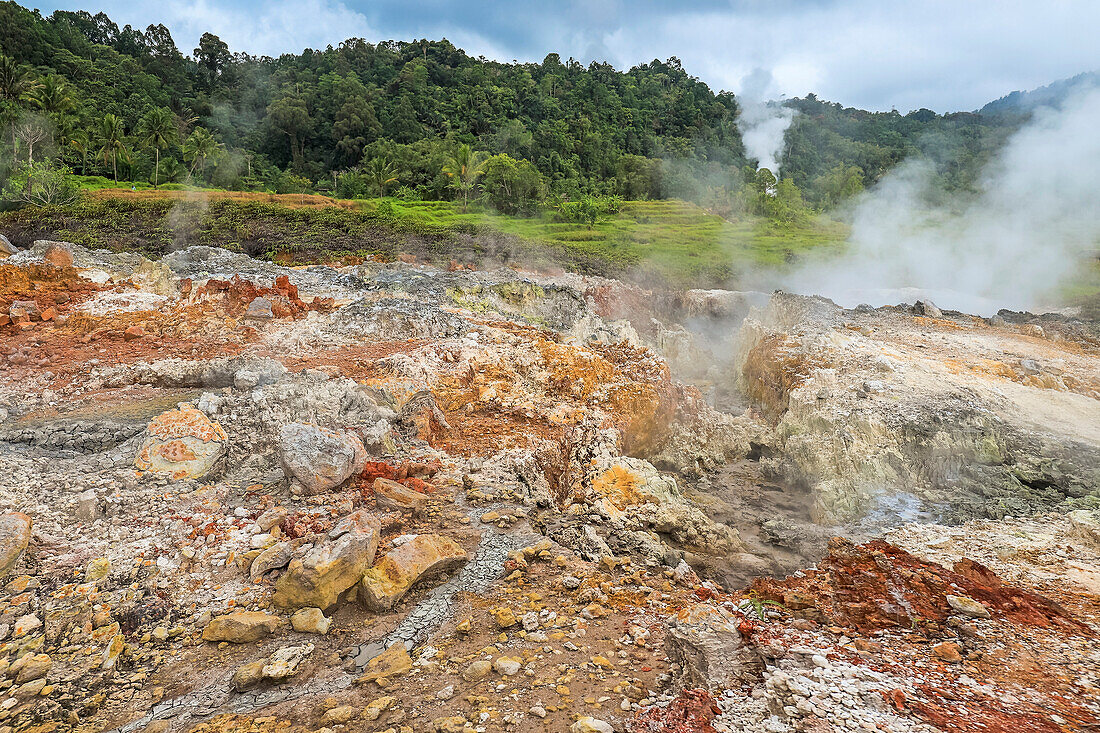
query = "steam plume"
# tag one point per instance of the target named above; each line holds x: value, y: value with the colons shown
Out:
x: 1032, y: 225
x: 762, y: 123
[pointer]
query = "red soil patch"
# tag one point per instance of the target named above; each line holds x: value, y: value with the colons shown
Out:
x: 878, y: 586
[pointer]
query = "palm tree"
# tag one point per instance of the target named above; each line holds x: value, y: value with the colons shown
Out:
x: 464, y: 168
x: 157, y: 130
x: 199, y: 146
x: 81, y: 144
x: 381, y: 173
x: 52, y: 96
x: 15, y: 86
x: 112, y: 140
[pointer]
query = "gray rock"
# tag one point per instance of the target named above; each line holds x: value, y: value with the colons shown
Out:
x: 87, y: 507
x: 927, y: 308
x: 320, y: 459
x: 7, y: 249
x: 260, y: 309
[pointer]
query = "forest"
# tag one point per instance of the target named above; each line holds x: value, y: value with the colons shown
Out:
x: 422, y: 120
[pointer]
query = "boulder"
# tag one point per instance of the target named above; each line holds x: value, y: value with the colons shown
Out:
x: 705, y: 641
x: 183, y: 443
x: 400, y: 568
x: 15, y: 534
x: 241, y: 627
x: 320, y: 459
x: 331, y: 567
x: 58, y: 254
x: 7, y: 249
x: 25, y: 310
x: 392, y: 495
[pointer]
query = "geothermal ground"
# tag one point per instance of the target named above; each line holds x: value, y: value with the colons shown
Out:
x: 392, y: 497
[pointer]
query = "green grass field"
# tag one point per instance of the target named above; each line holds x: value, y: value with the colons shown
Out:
x: 672, y: 239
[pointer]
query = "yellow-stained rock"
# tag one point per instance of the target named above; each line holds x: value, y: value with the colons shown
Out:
x: 392, y: 495
x: 393, y: 662
x: 241, y: 627
x: 183, y: 443
x: 330, y: 568
x: 400, y: 568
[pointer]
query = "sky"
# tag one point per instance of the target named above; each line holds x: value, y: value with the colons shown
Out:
x: 947, y: 55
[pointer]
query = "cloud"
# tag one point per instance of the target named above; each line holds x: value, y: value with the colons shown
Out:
x: 269, y: 29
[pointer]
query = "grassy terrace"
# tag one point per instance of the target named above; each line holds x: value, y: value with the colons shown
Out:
x: 671, y: 240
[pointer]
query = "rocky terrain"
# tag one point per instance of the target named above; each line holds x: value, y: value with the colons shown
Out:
x: 396, y: 497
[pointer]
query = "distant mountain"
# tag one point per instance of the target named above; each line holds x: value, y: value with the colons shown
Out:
x: 1052, y: 95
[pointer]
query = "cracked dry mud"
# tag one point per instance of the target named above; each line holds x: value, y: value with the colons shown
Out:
x: 533, y: 502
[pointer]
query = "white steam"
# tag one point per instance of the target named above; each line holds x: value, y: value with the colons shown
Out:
x: 1031, y: 227
x: 762, y: 123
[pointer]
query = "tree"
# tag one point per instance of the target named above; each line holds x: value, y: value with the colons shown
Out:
x: 15, y: 87
x: 31, y: 129
x: 41, y: 184
x: 212, y: 56
x: 53, y: 96
x: 290, y: 115
x: 15, y: 83
x: 464, y: 169
x: 157, y: 129
x: 81, y: 144
x: 200, y: 146
x: 511, y: 185
x: 381, y: 173
x: 112, y: 140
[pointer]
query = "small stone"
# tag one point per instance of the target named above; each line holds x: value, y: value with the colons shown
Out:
x: 35, y: 667
x: 393, y: 662
x: 602, y: 662
x: 503, y: 616
x: 271, y: 518
x: 247, y: 676
x: 241, y: 627
x: 538, y: 711
x: 133, y: 333
x: 310, y: 621
x: 339, y: 715
x: 507, y: 666
x: 26, y: 624
x: 591, y: 725
x: 449, y: 724
x: 464, y: 626
x: 478, y: 670
x: 15, y: 534
x: 260, y: 309
x: 948, y: 651
x: 97, y: 570
x: 968, y: 606
x: 374, y: 710
x: 284, y: 663
x: 446, y: 693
